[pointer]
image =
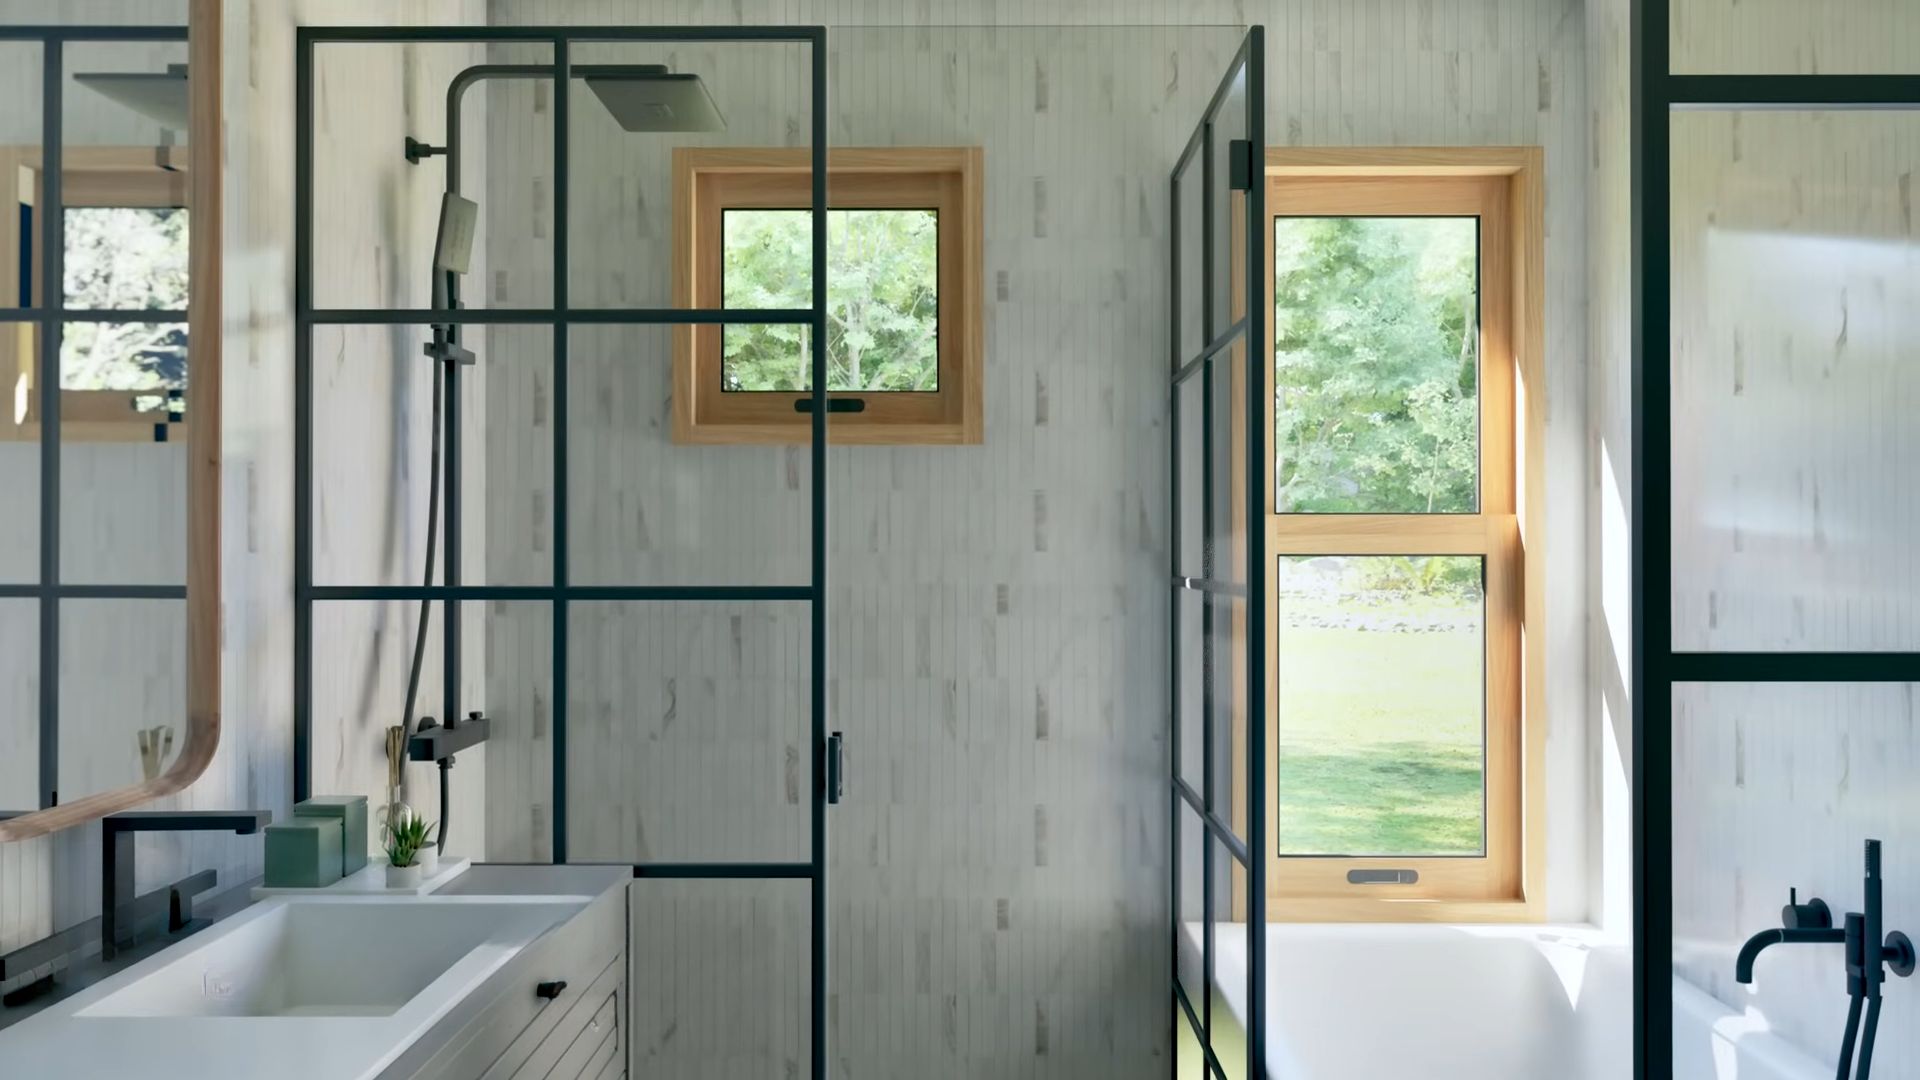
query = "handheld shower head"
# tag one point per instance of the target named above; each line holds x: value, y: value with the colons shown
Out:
x: 453, y: 241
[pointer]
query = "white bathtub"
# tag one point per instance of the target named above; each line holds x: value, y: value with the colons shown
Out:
x: 1473, y: 1003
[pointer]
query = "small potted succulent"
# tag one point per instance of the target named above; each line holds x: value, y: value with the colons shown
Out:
x: 406, y: 836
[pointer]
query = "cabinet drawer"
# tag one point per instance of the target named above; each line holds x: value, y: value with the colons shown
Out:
x: 581, y: 1045
x: 541, y: 1046
x: 506, y: 1020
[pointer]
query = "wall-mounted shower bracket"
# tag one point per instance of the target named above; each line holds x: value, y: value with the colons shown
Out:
x: 418, y: 151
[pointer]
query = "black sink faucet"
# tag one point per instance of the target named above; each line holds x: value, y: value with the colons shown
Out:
x: 116, y: 857
x: 1867, y: 955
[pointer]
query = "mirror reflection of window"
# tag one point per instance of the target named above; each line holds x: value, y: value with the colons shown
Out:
x: 123, y: 258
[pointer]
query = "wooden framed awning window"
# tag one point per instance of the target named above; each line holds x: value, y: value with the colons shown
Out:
x: 943, y: 181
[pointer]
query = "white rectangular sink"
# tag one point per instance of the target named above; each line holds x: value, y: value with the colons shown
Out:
x: 364, y: 957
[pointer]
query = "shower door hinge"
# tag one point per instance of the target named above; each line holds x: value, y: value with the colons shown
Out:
x: 836, y: 775
x: 1240, y: 164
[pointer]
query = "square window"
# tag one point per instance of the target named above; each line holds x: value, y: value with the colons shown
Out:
x: 903, y: 295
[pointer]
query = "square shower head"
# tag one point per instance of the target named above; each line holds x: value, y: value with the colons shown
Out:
x: 650, y: 98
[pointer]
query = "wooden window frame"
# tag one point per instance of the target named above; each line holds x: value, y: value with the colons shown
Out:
x: 142, y: 177
x: 1503, y: 187
x: 709, y: 181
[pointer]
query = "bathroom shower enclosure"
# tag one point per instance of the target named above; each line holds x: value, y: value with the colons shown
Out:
x: 563, y: 593
x: 1218, y: 870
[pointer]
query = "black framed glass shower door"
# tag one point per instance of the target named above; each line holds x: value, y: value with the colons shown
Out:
x: 1217, y: 686
x: 556, y: 593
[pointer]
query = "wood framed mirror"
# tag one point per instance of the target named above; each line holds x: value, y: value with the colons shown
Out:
x: 110, y: 627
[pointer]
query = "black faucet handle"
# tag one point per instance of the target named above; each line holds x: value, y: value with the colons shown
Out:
x: 1812, y: 915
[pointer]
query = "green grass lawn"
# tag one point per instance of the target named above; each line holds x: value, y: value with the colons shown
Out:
x: 1380, y: 741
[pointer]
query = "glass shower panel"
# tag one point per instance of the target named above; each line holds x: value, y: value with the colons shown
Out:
x: 19, y: 705
x: 1776, y: 787
x: 688, y: 733
x: 644, y: 510
x: 1230, y: 974
x: 362, y: 656
x: 376, y: 462
x: 1190, y: 834
x: 1229, y: 225
x: 19, y: 458
x: 1188, y: 256
x: 377, y: 214
x: 1189, y: 399
x: 725, y: 990
x: 1230, y: 714
x: 1227, y: 448
x: 507, y: 670
x: 1794, y: 293
x: 657, y: 137
x: 1790, y: 37
x: 1191, y: 626
x: 123, y: 692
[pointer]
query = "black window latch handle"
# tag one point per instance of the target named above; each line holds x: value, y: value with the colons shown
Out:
x: 834, y: 405
x: 550, y: 990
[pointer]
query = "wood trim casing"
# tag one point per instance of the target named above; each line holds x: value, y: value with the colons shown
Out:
x: 1503, y: 185
x: 203, y: 456
x: 707, y: 180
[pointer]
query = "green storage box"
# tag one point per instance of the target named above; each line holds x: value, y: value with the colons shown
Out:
x: 351, y: 810
x: 303, y: 853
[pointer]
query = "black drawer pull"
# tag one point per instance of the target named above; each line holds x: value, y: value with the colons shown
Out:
x: 550, y: 990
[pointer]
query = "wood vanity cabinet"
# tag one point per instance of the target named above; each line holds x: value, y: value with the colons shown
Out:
x: 524, y: 1024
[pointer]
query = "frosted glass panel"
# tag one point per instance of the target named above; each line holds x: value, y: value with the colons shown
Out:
x: 1795, y: 37
x: 1795, y: 292
x: 1776, y: 787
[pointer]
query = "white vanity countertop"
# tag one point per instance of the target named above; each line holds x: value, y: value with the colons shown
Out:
x: 141, y: 1031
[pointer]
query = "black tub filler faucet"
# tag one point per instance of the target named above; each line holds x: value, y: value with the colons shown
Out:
x: 1869, y: 956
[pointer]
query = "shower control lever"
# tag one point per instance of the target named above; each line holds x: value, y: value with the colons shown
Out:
x: 1812, y: 915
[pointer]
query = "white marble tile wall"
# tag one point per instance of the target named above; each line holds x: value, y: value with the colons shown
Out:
x: 998, y: 626
x: 1609, y: 459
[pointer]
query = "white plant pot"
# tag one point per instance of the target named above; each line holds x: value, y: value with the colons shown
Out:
x: 428, y: 859
x: 403, y: 877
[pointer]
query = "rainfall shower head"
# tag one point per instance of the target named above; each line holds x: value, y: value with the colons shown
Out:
x: 648, y: 97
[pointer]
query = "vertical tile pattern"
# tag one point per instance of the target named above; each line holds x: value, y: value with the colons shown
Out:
x: 1609, y: 586
x: 999, y: 624
x: 1790, y: 38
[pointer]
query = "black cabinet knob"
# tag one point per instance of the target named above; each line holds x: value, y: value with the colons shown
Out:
x: 550, y: 990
